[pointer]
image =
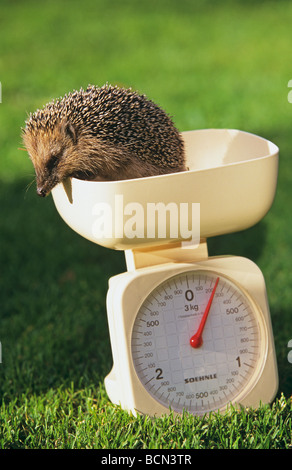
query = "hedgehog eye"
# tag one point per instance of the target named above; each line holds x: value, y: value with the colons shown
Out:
x: 52, y: 162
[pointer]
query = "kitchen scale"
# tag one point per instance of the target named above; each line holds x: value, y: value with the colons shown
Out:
x: 188, y: 331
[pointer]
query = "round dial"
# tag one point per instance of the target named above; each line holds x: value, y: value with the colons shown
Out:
x: 198, y: 342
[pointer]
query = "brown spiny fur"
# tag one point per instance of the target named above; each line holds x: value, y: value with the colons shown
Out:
x: 106, y: 133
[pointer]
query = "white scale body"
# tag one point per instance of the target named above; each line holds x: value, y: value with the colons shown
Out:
x: 188, y: 332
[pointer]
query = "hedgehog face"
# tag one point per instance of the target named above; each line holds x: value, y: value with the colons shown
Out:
x: 49, y: 151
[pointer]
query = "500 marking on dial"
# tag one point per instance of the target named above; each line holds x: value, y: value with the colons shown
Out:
x: 197, y: 342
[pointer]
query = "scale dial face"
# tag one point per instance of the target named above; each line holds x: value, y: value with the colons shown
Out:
x: 198, y: 342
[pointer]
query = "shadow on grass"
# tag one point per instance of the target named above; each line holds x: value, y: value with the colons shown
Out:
x: 53, y: 291
x: 248, y: 243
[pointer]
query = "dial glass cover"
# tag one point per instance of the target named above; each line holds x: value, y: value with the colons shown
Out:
x: 198, y: 342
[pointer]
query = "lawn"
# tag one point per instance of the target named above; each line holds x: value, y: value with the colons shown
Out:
x: 208, y: 64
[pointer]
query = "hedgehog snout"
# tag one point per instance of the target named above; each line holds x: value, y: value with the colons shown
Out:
x: 43, y: 188
x: 41, y: 192
x: 45, y: 183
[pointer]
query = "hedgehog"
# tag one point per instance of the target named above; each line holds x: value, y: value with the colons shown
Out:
x: 103, y: 134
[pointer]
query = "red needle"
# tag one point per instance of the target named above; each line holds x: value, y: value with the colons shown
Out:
x: 196, y: 340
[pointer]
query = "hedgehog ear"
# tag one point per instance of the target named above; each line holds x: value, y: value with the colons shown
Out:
x: 70, y: 131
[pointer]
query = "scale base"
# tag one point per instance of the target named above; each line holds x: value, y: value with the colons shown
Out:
x: 128, y: 290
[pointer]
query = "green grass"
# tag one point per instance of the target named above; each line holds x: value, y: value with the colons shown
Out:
x: 82, y: 419
x: 209, y: 64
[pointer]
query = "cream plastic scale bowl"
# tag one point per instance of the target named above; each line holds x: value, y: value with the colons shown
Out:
x: 232, y: 175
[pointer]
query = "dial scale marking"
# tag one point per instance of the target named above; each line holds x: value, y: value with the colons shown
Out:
x: 201, y: 379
